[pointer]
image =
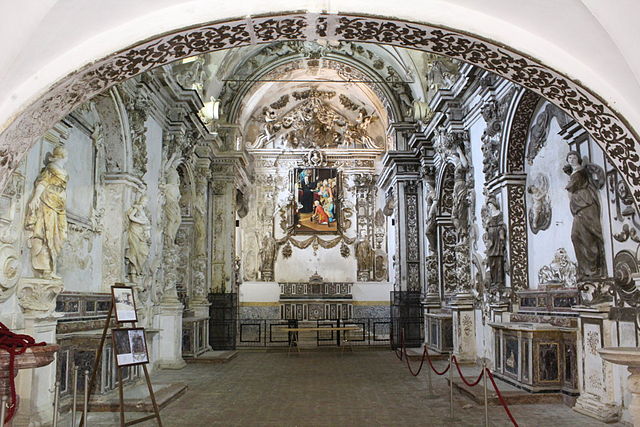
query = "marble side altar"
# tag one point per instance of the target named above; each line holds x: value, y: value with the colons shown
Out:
x: 537, y: 357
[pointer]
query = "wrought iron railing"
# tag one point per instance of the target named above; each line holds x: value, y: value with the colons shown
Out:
x: 261, y: 333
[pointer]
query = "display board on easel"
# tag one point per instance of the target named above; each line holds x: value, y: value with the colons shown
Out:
x: 129, y: 348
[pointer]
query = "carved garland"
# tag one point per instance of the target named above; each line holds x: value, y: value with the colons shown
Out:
x: 610, y: 131
x: 412, y: 237
x: 518, y: 237
x: 519, y: 129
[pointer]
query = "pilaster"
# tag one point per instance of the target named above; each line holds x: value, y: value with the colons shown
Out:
x: 595, y: 376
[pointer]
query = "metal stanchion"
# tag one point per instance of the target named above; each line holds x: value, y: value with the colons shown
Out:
x: 430, y: 393
x: 3, y: 409
x: 486, y: 400
x: 451, y: 386
x: 75, y: 396
x: 86, y: 397
x: 56, y: 401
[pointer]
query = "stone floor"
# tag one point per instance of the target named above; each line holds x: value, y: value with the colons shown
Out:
x: 362, y: 388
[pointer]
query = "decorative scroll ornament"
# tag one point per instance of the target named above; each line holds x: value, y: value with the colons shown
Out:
x: 10, y: 267
x: 625, y: 266
x: 315, y: 158
x: 494, y: 113
x: 596, y: 291
x: 137, y: 106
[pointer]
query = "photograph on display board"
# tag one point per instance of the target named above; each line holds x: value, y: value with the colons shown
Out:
x: 317, y: 195
x: 124, y: 304
x: 130, y: 346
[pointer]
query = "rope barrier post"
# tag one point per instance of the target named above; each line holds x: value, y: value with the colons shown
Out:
x: 486, y: 400
x: 450, y: 387
x: 3, y: 408
x: 56, y: 402
x: 430, y: 393
x: 86, y: 396
x: 75, y: 396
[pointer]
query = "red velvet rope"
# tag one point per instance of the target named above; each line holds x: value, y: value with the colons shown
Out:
x: 404, y: 350
x: 14, y: 344
x: 401, y: 345
x: 464, y: 380
x: 502, y: 401
x: 433, y: 367
x: 425, y: 354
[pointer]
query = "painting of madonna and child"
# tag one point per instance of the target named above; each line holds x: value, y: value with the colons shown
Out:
x: 316, y: 203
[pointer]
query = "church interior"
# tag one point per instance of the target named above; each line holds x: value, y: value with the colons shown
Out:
x: 238, y: 186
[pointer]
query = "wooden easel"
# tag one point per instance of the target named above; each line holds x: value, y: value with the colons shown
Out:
x: 92, y: 381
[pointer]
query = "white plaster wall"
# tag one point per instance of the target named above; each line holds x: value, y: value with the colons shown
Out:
x: 372, y: 291
x: 476, y: 128
x: 328, y: 263
x: 81, y: 168
x: 543, y: 245
x: 259, y: 292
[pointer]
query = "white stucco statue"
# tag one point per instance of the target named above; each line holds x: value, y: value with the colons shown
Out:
x: 139, y: 235
x: 171, y: 191
x: 46, y: 218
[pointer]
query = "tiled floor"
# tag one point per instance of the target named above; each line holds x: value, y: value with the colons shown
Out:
x: 363, y: 388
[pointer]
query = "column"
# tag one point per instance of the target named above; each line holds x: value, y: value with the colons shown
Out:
x: 37, y: 298
x: 222, y: 226
x: 200, y: 286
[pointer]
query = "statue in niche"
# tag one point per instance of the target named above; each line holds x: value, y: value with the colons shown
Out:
x: 495, y: 241
x: 460, y: 209
x: 268, y: 257
x: 46, y: 218
x: 540, y: 210
x: 586, y: 231
x: 171, y: 192
x: 364, y: 255
x: 561, y: 271
x: 138, y: 235
x: 431, y: 200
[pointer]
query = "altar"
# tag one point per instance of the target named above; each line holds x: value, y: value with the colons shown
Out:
x: 537, y: 357
x: 316, y: 300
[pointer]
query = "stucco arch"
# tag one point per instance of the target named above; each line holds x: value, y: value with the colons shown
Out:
x: 608, y: 128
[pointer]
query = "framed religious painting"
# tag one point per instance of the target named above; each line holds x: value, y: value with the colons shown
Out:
x: 124, y: 303
x: 316, y: 205
x: 129, y: 346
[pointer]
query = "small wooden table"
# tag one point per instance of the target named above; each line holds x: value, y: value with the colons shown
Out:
x: 294, y: 337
